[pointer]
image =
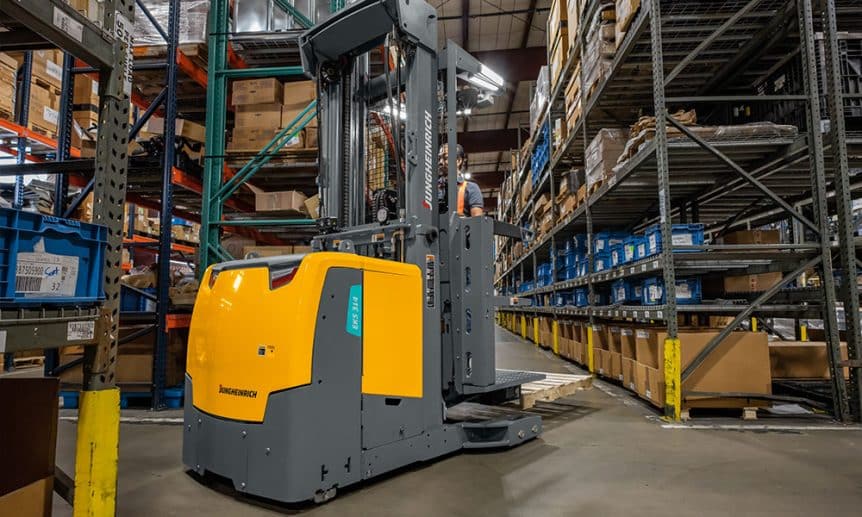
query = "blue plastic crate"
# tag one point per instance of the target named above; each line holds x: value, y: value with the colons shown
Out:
x: 583, y: 268
x: 633, y: 246
x: 602, y: 261
x: 682, y: 234
x: 544, y: 269
x: 604, y: 241
x: 623, y: 291
x: 688, y: 291
x: 133, y: 301
x: 618, y: 255
x: 580, y: 243
x: 582, y: 297
x: 46, y: 259
x: 563, y: 299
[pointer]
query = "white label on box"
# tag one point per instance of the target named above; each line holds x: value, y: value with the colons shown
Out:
x: 626, y: 332
x: 54, y: 70
x: 682, y: 290
x: 630, y: 253
x: 601, y: 371
x: 597, y: 328
x: 682, y: 239
x: 600, y: 244
x: 654, y: 292
x: 632, y: 386
x: 615, y: 330
x: 46, y: 274
x: 653, y: 243
x: 94, y: 88
x: 648, y: 394
x: 50, y: 116
x: 621, y: 293
x: 69, y: 25
x: 641, y: 250
x: 620, y: 376
x: 2, y: 341
x: 80, y: 330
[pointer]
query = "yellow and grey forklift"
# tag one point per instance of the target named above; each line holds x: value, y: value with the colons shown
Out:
x: 310, y: 373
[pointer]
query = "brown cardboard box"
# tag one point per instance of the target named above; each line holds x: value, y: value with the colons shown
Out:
x: 613, y: 337
x: 312, y: 206
x: 647, y: 348
x: 43, y: 112
x: 629, y: 366
x: 184, y: 128
x: 255, y: 139
x: 258, y: 116
x: 627, y: 342
x: 640, y: 379
x: 751, y: 283
x: 266, y: 251
x: 28, y: 430
x: 287, y: 201
x: 135, y: 359
x: 257, y: 91
x: 802, y: 360
x: 47, y: 67
x: 625, y: 13
x: 86, y: 91
x: 753, y: 237
x: 600, y: 337
x: 602, y: 361
x: 616, y: 360
x: 655, y: 387
x: 572, y: 16
x: 8, y: 61
x: 234, y: 244
x: 602, y: 154
x: 301, y: 250
x: 299, y: 93
x: 87, y: 119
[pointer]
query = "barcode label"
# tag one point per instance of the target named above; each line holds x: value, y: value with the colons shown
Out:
x: 46, y: 274
x: 626, y: 332
x: 69, y: 25
x: 80, y: 330
x: 682, y: 239
x: 642, y: 334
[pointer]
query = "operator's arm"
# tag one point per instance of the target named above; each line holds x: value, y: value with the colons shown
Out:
x: 474, y: 200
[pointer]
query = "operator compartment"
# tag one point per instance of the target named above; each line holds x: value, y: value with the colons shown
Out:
x: 252, y: 333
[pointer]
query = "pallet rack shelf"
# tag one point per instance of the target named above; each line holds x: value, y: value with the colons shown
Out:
x: 685, y: 54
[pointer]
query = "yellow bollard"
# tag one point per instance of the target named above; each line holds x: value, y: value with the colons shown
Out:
x: 555, y: 329
x: 590, y: 358
x: 96, y: 453
x: 803, y: 332
x: 672, y: 379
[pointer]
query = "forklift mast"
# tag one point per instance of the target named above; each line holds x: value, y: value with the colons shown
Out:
x: 455, y: 254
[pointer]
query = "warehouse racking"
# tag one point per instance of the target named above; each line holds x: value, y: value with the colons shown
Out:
x: 40, y: 24
x: 705, y: 55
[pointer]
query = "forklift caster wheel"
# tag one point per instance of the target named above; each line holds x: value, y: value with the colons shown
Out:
x: 323, y: 496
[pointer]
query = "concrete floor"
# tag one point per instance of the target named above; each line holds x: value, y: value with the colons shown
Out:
x: 602, y: 453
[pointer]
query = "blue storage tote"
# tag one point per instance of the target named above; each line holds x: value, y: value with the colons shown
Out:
x: 582, y: 297
x: 634, y: 248
x: 583, y: 267
x: 604, y: 241
x: 133, y: 301
x: 618, y: 255
x: 623, y: 291
x: 46, y: 259
x: 688, y: 291
x: 682, y: 235
x: 580, y: 243
x: 602, y: 261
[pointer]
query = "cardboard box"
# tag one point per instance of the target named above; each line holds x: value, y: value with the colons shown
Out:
x: 616, y: 369
x: 28, y: 430
x: 613, y: 339
x: 647, y: 348
x: 284, y: 201
x: 258, y: 116
x: 753, y: 237
x: 602, y: 154
x: 301, y: 250
x: 628, y: 344
x: 601, y: 361
x: 751, y: 283
x: 312, y: 206
x: 43, y: 112
x: 266, y: 251
x: 629, y: 366
x: 600, y: 337
x: 86, y: 92
x: 235, y: 244
x: 297, y: 96
x: 87, y: 119
x: 802, y: 360
x: 257, y: 91
x: 184, y: 128
x: 640, y: 379
x: 625, y: 13
x: 135, y: 359
x: 255, y: 139
x: 655, y: 387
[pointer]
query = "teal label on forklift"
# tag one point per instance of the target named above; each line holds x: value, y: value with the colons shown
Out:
x: 354, y: 311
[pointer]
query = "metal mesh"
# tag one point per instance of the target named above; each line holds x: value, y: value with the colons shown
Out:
x: 379, y: 160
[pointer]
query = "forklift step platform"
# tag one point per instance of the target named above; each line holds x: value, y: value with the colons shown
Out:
x: 493, y: 427
x: 505, y: 379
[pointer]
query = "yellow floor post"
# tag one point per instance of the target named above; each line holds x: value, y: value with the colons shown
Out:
x: 803, y: 332
x: 754, y: 324
x: 536, y: 331
x: 96, y: 453
x: 555, y: 329
x: 672, y: 379
x: 523, y: 327
x: 590, y: 359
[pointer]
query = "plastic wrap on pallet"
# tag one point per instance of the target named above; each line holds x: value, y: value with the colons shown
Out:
x: 193, y: 22
x: 540, y: 98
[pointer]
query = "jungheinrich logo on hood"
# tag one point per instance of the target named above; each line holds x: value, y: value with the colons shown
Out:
x: 236, y: 392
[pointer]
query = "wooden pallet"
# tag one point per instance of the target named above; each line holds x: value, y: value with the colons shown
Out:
x: 197, y: 52
x: 41, y: 130
x: 7, y: 115
x: 596, y: 186
x: 554, y: 386
x: 36, y: 360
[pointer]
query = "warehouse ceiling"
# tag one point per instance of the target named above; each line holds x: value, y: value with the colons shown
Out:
x: 509, y: 36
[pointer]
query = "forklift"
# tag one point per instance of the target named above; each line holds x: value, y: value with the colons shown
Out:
x: 310, y: 373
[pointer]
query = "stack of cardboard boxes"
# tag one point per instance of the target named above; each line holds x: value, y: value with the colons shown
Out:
x: 602, y: 155
x: 626, y: 11
x: 262, y: 107
x: 47, y: 79
x: 8, y: 71
x: 600, y: 46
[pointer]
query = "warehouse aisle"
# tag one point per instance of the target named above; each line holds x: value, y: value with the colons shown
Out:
x: 599, y: 455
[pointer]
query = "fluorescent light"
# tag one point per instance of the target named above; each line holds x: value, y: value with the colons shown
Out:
x: 481, y: 82
x: 492, y: 76
x: 465, y: 112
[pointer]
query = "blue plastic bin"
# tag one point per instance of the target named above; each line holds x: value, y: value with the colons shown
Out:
x: 602, y: 261
x: 618, y: 255
x: 633, y: 246
x: 682, y: 234
x: 579, y: 242
x: 582, y: 297
x: 623, y: 291
x: 133, y: 301
x: 604, y: 241
x: 688, y: 291
x: 50, y: 260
